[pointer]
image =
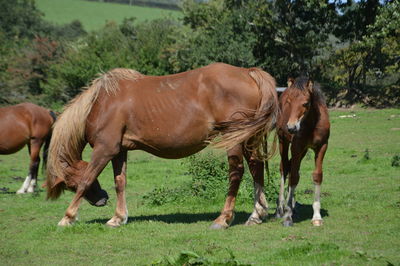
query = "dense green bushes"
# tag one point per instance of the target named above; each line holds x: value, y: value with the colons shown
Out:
x: 355, y: 59
x: 28, y: 47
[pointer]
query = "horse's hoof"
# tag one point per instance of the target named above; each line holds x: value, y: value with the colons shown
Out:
x: 218, y: 226
x: 253, y: 221
x: 116, y: 222
x: 317, y: 222
x: 287, y: 223
x: 66, y: 221
x: 113, y: 223
x: 20, y: 191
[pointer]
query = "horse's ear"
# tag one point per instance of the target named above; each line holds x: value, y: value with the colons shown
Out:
x: 290, y: 82
x: 310, y: 85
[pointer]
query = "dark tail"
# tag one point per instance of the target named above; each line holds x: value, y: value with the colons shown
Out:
x: 47, y: 142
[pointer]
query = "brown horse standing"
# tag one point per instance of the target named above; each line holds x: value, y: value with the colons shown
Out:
x: 171, y: 117
x: 26, y: 124
x: 303, y: 123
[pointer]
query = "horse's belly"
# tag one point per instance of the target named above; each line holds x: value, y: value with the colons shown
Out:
x: 173, y: 153
x: 167, y: 145
x: 12, y: 139
x: 12, y: 146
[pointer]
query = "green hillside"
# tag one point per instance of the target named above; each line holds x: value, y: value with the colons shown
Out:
x: 94, y: 15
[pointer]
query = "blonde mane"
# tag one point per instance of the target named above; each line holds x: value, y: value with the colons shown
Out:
x: 68, y: 139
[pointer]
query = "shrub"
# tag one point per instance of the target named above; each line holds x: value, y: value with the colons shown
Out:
x: 209, y: 181
x: 162, y: 195
x: 192, y: 258
x: 208, y: 174
x: 396, y: 161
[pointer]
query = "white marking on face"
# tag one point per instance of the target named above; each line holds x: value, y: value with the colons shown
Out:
x: 297, y: 125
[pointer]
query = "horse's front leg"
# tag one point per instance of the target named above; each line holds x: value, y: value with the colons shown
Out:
x: 260, y: 210
x: 317, y: 178
x: 235, y: 160
x: 284, y: 170
x: 121, y: 212
x: 298, y: 153
x: 100, y: 157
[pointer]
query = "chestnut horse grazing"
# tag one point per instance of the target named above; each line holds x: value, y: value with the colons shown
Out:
x: 26, y: 124
x: 169, y: 116
x: 303, y: 123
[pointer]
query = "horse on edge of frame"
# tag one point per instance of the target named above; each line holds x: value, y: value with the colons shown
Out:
x: 26, y: 124
x: 171, y: 116
x: 303, y: 123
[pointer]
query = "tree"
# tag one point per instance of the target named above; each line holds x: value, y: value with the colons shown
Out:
x: 19, y: 18
x: 284, y: 37
x: 369, y: 67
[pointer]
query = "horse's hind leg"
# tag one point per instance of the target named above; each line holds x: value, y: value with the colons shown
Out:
x: 317, y: 178
x: 30, y: 181
x: 235, y: 160
x: 121, y: 212
x: 260, y: 203
x: 101, y: 155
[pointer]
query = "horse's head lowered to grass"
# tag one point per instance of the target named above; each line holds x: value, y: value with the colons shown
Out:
x: 72, y: 179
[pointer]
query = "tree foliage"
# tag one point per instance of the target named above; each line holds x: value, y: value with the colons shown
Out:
x: 351, y: 47
x: 284, y: 37
x: 368, y: 67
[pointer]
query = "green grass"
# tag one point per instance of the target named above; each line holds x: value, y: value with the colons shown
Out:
x: 360, y: 205
x: 94, y: 15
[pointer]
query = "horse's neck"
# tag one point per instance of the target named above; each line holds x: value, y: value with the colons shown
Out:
x: 314, y: 114
x: 318, y: 110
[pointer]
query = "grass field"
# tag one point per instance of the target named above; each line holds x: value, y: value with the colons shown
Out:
x: 94, y: 15
x: 360, y: 207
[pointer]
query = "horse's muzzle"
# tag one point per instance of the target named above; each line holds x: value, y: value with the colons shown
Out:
x: 293, y: 128
x: 99, y: 200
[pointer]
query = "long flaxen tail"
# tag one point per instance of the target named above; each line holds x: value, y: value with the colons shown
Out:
x: 254, y: 127
x: 68, y: 138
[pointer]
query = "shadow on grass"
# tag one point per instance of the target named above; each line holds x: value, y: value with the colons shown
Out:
x: 5, y: 190
x: 240, y: 218
x: 303, y: 212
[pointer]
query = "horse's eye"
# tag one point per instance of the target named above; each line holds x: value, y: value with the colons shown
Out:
x: 306, y: 104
